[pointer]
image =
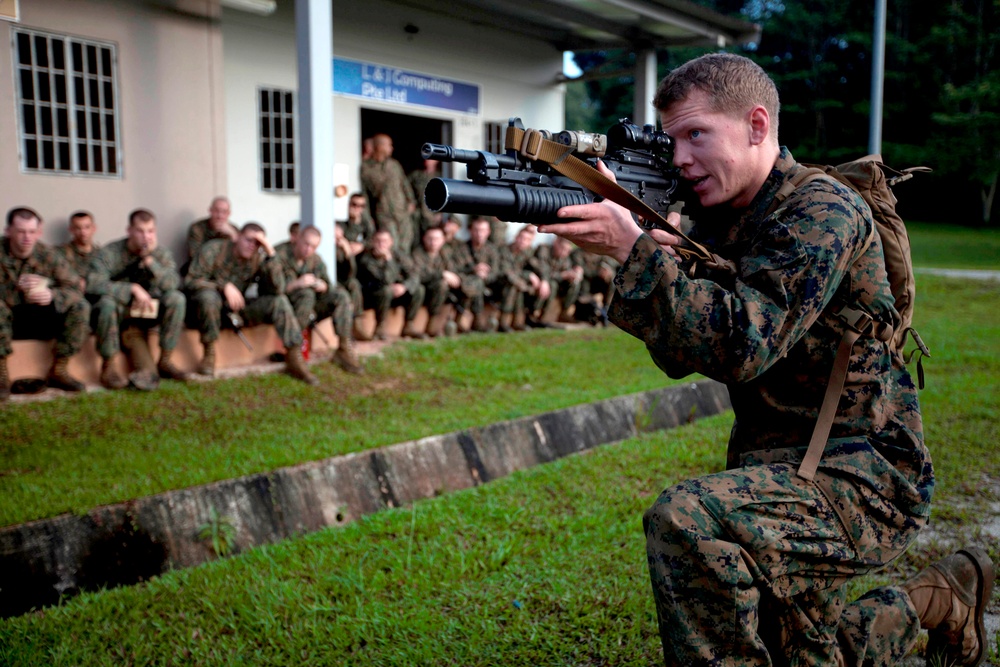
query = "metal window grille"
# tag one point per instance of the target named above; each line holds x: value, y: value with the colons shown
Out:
x: 496, y: 132
x: 277, y: 140
x: 67, y: 104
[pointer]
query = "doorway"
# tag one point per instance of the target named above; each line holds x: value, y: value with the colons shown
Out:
x: 409, y: 134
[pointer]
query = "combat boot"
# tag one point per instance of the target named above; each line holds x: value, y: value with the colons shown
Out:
x: 411, y: 331
x: 480, y: 323
x: 346, y: 358
x: 295, y: 365
x: 59, y: 377
x: 134, y: 342
x: 950, y: 597
x: 207, y: 365
x: 166, y: 369
x: 380, y: 333
x: 4, y: 381
x: 110, y: 377
x: 506, y: 323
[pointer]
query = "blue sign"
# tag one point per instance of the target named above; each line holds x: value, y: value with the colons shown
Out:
x: 388, y: 84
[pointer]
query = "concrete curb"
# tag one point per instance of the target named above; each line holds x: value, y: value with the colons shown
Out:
x: 127, y: 543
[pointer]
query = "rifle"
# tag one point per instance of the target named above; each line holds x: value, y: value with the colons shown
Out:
x: 237, y: 323
x: 515, y: 188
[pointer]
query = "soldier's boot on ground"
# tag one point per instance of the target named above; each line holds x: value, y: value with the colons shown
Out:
x: 481, y: 323
x: 435, y: 325
x: 506, y: 323
x: 166, y: 368
x: 380, y: 331
x: 347, y: 358
x: 4, y: 381
x: 295, y: 366
x: 207, y: 365
x: 950, y: 597
x: 411, y: 331
x: 359, y: 329
x: 568, y: 314
x: 110, y: 378
x: 134, y: 342
x: 60, y: 378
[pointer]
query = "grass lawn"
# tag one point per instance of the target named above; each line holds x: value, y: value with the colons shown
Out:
x: 954, y: 247
x: 545, y: 567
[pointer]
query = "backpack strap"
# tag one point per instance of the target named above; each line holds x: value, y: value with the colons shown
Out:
x: 857, y: 323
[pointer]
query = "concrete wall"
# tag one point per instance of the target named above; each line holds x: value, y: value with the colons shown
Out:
x: 130, y: 542
x: 170, y: 120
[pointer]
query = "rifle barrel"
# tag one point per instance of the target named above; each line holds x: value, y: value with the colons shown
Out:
x: 511, y: 202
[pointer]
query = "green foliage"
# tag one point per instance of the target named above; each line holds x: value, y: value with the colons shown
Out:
x: 220, y: 532
x: 941, y: 103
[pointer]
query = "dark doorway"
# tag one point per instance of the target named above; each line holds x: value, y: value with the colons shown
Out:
x: 409, y: 134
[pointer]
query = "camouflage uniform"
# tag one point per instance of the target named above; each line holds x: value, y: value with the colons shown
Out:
x: 476, y: 290
x: 423, y: 216
x: 390, y: 196
x: 112, y: 273
x: 78, y: 261
x: 65, y: 319
x: 377, y: 277
x: 217, y: 264
x: 347, y: 277
x: 566, y: 291
x: 200, y: 232
x: 750, y: 565
x: 361, y: 231
x: 431, y: 272
x: 516, y: 283
x: 335, y: 302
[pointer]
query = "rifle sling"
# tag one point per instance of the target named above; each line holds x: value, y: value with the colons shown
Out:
x: 533, y: 146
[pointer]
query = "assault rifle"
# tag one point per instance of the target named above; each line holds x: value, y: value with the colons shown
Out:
x: 515, y: 188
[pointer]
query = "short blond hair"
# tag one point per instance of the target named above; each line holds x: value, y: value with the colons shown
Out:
x: 734, y: 85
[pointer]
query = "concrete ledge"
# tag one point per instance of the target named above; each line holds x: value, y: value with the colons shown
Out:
x: 126, y: 543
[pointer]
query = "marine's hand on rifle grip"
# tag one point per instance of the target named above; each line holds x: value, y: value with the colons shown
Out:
x: 665, y: 239
x: 604, y: 228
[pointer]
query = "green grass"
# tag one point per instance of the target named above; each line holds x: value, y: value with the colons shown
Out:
x: 954, y: 247
x: 545, y: 567
x: 104, y: 447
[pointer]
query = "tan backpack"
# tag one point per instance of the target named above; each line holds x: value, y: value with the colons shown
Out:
x: 873, y: 181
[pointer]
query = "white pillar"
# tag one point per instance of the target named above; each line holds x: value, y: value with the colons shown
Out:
x: 878, y: 73
x: 314, y: 43
x: 645, y: 87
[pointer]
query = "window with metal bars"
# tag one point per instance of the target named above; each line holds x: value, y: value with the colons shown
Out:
x: 276, y: 126
x: 67, y: 104
x: 496, y: 132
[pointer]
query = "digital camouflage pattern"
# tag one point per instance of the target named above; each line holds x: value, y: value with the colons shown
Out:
x: 391, y: 198
x: 335, y: 302
x: 431, y: 270
x: 217, y: 264
x: 347, y: 277
x: 360, y: 231
x: 477, y: 290
x: 565, y: 291
x: 66, y: 319
x: 377, y: 276
x: 518, y: 265
x: 424, y: 218
x: 758, y: 542
x: 200, y: 233
x: 112, y: 272
x: 78, y: 261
